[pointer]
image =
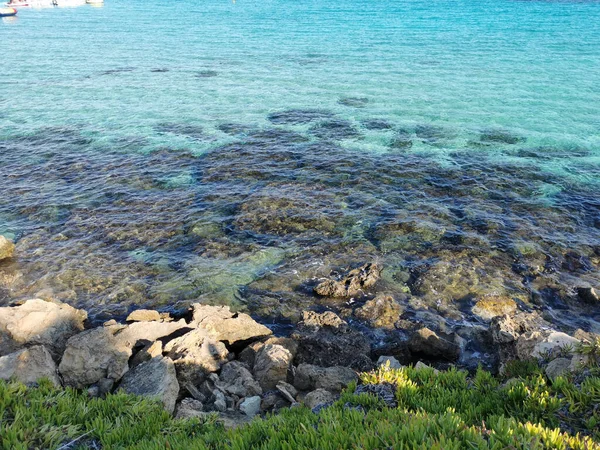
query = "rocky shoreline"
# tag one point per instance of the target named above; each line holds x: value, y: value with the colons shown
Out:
x: 214, y: 360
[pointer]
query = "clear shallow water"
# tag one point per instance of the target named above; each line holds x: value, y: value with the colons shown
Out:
x: 145, y: 159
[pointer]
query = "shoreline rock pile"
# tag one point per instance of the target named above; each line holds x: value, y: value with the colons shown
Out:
x: 218, y: 360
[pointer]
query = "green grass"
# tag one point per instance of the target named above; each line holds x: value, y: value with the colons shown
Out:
x: 449, y: 410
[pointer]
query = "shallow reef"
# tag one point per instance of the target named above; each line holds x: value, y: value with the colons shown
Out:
x: 278, y: 207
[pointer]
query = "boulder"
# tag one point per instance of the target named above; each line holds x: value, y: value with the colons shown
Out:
x: 143, y: 315
x: 223, y: 325
x: 333, y: 379
x: 38, y: 322
x: 237, y: 380
x: 104, y: 352
x: 195, y: 355
x: 537, y: 344
x: 150, y: 331
x: 146, y: 353
x: 579, y: 362
x: 352, y: 284
x: 233, y: 419
x: 248, y: 354
x: 388, y: 362
x: 588, y: 295
x: 271, y: 365
x: 427, y: 342
x: 251, y: 406
x: 421, y: 365
x: 503, y: 330
x: 220, y: 402
x: 94, y: 354
x: 101, y: 388
x: 274, y: 401
x: 494, y: 305
x: 29, y: 365
x: 318, y: 397
x: 381, y: 312
x: 553, y: 341
x: 155, y: 378
x: 188, y: 408
x: 288, y: 391
x: 307, y: 375
x: 558, y: 367
x: 326, y: 340
x: 7, y: 248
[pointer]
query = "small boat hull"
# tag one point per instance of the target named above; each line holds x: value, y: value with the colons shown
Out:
x: 8, y: 12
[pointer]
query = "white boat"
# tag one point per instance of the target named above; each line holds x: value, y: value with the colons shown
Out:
x: 45, y: 3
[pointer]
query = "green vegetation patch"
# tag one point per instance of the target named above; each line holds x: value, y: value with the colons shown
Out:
x: 445, y: 410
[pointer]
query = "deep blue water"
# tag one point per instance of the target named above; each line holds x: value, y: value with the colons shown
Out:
x: 153, y: 153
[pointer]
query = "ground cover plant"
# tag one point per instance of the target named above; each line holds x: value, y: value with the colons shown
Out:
x: 428, y: 409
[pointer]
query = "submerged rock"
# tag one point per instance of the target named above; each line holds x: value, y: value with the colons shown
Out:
x: 501, y: 136
x: 334, y: 129
x: 207, y: 74
x: 7, y: 248
x: 401, y: 140
x: 491, y: 306
x: 156, y: 379
x: 37, y: 322
x: 352, y: 284
x: 433, y: 134
x: 381, y: 312
x: 354, y: 102
x: 377, y: 124
x: 298, y: 116
x: 223, y: 325
x: 29, y: 365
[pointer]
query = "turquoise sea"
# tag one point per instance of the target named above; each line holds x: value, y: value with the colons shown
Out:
x: 155, y: 153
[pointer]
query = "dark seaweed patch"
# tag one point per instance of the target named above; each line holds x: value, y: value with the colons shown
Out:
x: 118, y: 71
x: 191, y: 131
x: 433, y: 134
x: 335, y: 129
x: 207, y: 74
x: 298, y: 116
x: 377, y: 124
x: 354, y: 102
x: 500, y: 136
